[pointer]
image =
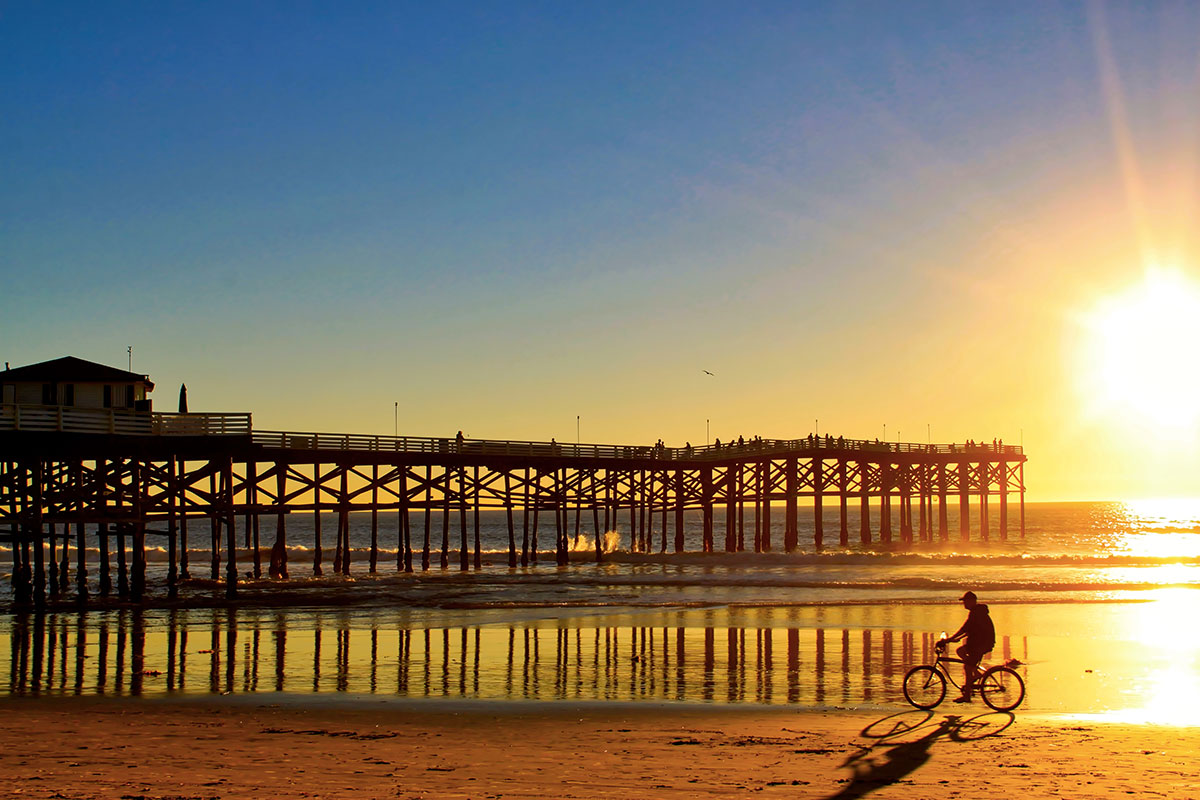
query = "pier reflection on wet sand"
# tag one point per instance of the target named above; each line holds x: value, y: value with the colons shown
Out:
x: 699, y: 658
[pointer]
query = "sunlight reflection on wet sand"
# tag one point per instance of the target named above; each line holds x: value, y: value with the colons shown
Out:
x: 1119, y: 661
x: 1160, y: 680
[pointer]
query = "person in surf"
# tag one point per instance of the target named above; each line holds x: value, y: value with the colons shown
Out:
x: 981, y: 638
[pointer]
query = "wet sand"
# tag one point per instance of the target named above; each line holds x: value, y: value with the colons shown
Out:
x: 239, y: 748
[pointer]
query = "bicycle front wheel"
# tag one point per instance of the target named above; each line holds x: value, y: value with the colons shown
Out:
x: 1002, y: 688
x: 924, y: 687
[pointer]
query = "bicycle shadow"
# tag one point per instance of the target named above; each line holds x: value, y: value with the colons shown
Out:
x: 873, y: 772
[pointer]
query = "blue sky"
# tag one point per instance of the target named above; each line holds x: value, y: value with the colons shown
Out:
x: 505, y: 215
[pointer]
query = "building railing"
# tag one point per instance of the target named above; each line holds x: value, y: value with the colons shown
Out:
x: 552, y: 449
x: 70, y: 419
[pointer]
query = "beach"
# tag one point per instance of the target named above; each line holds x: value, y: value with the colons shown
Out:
x: 98, y: 748
x: 726, y: 675
x: 467, y: 704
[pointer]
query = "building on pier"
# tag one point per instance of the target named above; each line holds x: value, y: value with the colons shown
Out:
x: 75, y: 383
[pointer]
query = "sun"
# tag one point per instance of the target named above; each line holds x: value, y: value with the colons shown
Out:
x: 1143, y: 353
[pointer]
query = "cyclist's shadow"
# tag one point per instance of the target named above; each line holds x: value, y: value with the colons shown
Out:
x: 873, y: 772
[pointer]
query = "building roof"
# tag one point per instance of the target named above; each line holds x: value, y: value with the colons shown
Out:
x: 70, y: 369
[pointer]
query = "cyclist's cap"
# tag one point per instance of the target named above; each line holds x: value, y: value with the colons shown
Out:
x: 970, y: 595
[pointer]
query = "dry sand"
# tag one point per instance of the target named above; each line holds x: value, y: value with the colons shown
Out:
x: 102, y: 748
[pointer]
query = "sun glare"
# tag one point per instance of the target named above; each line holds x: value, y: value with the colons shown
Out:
x: 1142, y: 347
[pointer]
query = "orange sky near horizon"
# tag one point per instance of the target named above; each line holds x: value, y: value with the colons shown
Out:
x: 1010, y: 344
x: 1007, y: 343
x: 1012, y: 348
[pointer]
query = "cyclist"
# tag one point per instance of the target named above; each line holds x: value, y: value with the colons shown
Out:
x: 981, y: 638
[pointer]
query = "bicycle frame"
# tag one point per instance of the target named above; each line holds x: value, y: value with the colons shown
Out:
x: 942, y: 660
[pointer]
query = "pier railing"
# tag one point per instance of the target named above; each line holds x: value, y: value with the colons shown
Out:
x: 69, y: 419
x: 552, y: 449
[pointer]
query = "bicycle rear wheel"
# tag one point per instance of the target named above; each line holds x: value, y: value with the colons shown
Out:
x: 1002, y: 688
x: 924, y: 687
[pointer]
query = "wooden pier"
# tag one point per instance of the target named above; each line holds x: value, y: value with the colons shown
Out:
x: 188, y: 478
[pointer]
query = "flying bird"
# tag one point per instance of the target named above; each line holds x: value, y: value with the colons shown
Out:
x: 706, y: 372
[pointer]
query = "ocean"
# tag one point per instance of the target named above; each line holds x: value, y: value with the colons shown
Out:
x: 1083, y: 551
x: 1089, y: 602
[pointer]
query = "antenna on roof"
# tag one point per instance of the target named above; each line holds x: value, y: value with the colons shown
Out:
x: 130, y: 349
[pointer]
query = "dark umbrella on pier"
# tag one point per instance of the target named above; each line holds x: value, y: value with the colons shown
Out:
x: 183, y: 398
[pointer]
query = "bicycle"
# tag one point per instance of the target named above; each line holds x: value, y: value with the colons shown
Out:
x: 925, y: 685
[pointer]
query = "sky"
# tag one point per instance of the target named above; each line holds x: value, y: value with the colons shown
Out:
x: 932, y: 221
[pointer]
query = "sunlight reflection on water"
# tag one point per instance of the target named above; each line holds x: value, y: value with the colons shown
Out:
x: 1158, y: 528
